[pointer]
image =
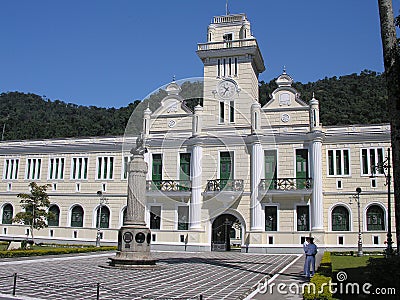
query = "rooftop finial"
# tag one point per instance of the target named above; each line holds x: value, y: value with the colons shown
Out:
x: 284, y: 69
x: 313, y: 95
x: 227, y: 8
x: 173, y: 78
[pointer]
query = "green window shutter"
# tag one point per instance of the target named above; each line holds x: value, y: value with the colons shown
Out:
x: 270, y: 160
x: 225, y: 168
x: 157, y: 167
x: 301, y: 168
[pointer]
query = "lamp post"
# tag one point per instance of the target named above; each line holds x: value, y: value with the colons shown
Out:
x: 356, y: 197
x: 384, y: 168
x: 102, y: 201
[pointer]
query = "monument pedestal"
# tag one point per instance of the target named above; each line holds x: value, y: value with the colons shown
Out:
x: 134, y: 237
x: 133, y: 247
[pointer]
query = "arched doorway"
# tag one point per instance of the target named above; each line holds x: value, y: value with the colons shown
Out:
x: 226, y: 233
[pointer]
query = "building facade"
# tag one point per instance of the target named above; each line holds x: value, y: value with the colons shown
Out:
x: 229, y: 174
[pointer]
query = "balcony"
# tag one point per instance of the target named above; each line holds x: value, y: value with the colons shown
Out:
x: 225, y: 185
x: 224, y: 190
x: 227, y: 44
x: 284, y: 186
x: 169, y: 188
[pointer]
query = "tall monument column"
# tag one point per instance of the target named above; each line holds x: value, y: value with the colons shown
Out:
x: 196, y: 171
x: 317, y: 136
x: 134, y: 237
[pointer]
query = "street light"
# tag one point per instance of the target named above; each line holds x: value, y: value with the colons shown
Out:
x: 102, y: 201
x: 384, y: 168
x: 356, y: 197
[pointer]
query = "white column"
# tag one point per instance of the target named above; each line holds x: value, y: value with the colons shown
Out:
x: 196, y: 176
x: 256, y: 169
x: 317, y: 203
x: 147, y: 160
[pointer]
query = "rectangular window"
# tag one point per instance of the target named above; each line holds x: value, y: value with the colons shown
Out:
x: 271, y: 218
x: 125, y: 167
x: 11, y: 166
x: 230, y: 66
x: 236, y: 66
x: 302, y: 173
x: 370, y: 158
x: 184, y: 170
x: 221, y: 112
x: 56, y: 168
x: 339, y: 162
x: 224, y: 66
x: 155, y: 217
x: 157, y: 167
x: 79, y: 168
x: 183, y: 217
x: 232, y: 111
x: 219, y: 68
x: 303, y: 218
x: 105, y: 167
x: 33, y: 168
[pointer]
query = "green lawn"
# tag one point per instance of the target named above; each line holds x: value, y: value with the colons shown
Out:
x: 377, y: 270
x: 341, y: 263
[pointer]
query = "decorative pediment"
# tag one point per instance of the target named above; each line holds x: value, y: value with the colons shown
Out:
x: 173, y: 103
x: 285, y: 96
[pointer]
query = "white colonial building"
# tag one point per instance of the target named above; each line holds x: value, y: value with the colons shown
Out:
x: 229, y: 174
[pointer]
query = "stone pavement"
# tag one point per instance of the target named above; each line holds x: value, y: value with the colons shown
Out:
x: 290, y: 279
x: 179, y: 275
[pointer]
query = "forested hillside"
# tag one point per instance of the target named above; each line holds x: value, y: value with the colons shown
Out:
x: 352, y: 99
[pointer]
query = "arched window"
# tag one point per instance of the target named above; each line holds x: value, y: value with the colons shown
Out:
x: 7, y: 214
x: 375, y: 218
x: 77, y: 216
x: 104, y: 217
x: 55, y: 220
x: 340, y: 219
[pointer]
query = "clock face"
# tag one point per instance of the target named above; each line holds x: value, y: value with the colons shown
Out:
x: 226, y: 88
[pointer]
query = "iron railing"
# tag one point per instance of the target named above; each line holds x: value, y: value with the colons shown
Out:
x: 231, y: 185
x: 227, y: 44
x: 285, y: 184
x: 168, y: 185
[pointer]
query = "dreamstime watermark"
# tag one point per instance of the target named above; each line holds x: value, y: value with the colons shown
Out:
x: 341, y: 287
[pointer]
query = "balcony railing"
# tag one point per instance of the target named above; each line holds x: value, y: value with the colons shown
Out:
x: 169, y: 185
x: 285, y: 184
x: 227, y: 44
x: 229, y: 185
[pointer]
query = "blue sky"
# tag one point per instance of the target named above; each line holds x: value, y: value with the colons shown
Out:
x: 110, y: 53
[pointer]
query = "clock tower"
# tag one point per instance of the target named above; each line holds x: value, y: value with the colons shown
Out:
x: 232, y: 62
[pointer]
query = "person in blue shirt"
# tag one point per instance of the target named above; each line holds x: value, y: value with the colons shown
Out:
x: 311, y: 250
x: 305, y: 244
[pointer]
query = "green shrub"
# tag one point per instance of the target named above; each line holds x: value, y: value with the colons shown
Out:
x: 55, y: 251
x: 325, y: 267
x: 318, y: 288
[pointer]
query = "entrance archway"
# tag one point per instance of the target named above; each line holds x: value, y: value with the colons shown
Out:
x: 226, y: 233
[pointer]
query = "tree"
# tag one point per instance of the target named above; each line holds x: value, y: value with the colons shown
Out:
x: 391, y: 58
x: 35, y: 206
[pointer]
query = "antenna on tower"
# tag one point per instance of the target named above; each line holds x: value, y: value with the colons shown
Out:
x: 227, y: 8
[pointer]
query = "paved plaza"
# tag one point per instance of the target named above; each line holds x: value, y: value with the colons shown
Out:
x: 179, y: 275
